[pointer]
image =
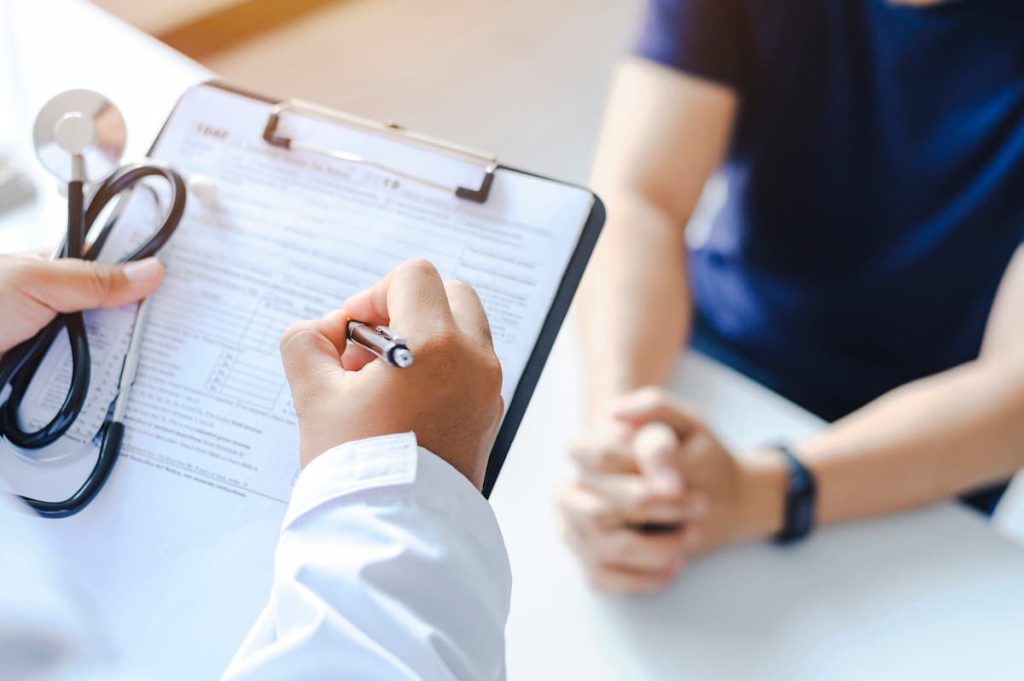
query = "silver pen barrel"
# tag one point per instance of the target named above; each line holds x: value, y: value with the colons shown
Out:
x: 382, y: 342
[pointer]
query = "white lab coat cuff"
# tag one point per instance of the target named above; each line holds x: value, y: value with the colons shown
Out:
x: 373, y: 463
x: 390, y: 469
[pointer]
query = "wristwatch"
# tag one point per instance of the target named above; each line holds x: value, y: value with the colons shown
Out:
x: 801, y: 494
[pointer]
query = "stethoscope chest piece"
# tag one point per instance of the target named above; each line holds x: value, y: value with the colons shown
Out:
x: 79, y: 135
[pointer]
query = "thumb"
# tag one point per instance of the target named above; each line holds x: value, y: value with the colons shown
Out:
x: 656, y: 446
x: 70, y: 285
x: 311, y: 352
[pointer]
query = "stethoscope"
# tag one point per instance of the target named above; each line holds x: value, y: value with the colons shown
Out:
x: 79, y: 137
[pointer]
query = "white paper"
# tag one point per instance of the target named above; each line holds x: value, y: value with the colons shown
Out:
x: 290, y: 236
x: 177, y: 548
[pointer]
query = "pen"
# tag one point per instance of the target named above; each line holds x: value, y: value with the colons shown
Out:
x: 381, y: 341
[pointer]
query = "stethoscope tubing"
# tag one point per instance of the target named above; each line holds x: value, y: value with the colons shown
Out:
x: 19, y: 366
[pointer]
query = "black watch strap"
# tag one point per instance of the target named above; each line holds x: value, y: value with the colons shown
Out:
x: 801, y: 495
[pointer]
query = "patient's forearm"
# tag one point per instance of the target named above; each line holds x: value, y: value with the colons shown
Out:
x: 635, y: 305
x: 928, y: 440
x: 664, y: 134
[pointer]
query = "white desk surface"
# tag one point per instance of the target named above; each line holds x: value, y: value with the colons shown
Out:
x: 931, y: 594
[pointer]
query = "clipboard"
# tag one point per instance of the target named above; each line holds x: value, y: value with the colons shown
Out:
x: 479, y: 192
x: 181, y: 529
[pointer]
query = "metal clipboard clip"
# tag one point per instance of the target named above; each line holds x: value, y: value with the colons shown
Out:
x: 487, y: 162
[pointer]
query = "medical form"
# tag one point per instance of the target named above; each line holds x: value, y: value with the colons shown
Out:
x: 288, y: 236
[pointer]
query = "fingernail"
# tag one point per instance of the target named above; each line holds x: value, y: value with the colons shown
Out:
x: 142, y: 270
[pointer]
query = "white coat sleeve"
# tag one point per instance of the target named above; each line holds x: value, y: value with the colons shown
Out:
x: 390, y: 566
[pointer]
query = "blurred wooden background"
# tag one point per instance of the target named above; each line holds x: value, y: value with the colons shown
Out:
x: 525, y: 80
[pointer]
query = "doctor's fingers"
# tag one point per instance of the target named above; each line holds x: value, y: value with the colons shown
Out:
x: 411, y: 298
x: 356, y: 357
x: 311, y: 353
x: 468, y: 311
x: 69, y: 284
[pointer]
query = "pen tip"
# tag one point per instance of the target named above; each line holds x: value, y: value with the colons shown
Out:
x: 402, y: 358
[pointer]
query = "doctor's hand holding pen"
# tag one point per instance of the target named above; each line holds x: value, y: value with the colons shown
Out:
x: 450, y: 397
x: 398, y: 507
x: 34, y: 290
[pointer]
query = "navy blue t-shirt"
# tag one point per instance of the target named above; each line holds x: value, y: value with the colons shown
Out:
x: 876, y: 185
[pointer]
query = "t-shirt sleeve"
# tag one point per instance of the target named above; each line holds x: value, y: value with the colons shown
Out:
x: 705, y: 38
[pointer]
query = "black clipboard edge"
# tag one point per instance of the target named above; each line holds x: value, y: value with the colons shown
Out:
x: 567, y: 287
x: 548, y: 333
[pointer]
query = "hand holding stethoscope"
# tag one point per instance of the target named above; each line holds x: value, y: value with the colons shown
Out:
x: 79, y: 137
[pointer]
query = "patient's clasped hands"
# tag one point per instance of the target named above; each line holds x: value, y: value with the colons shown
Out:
x: 656, y: 487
